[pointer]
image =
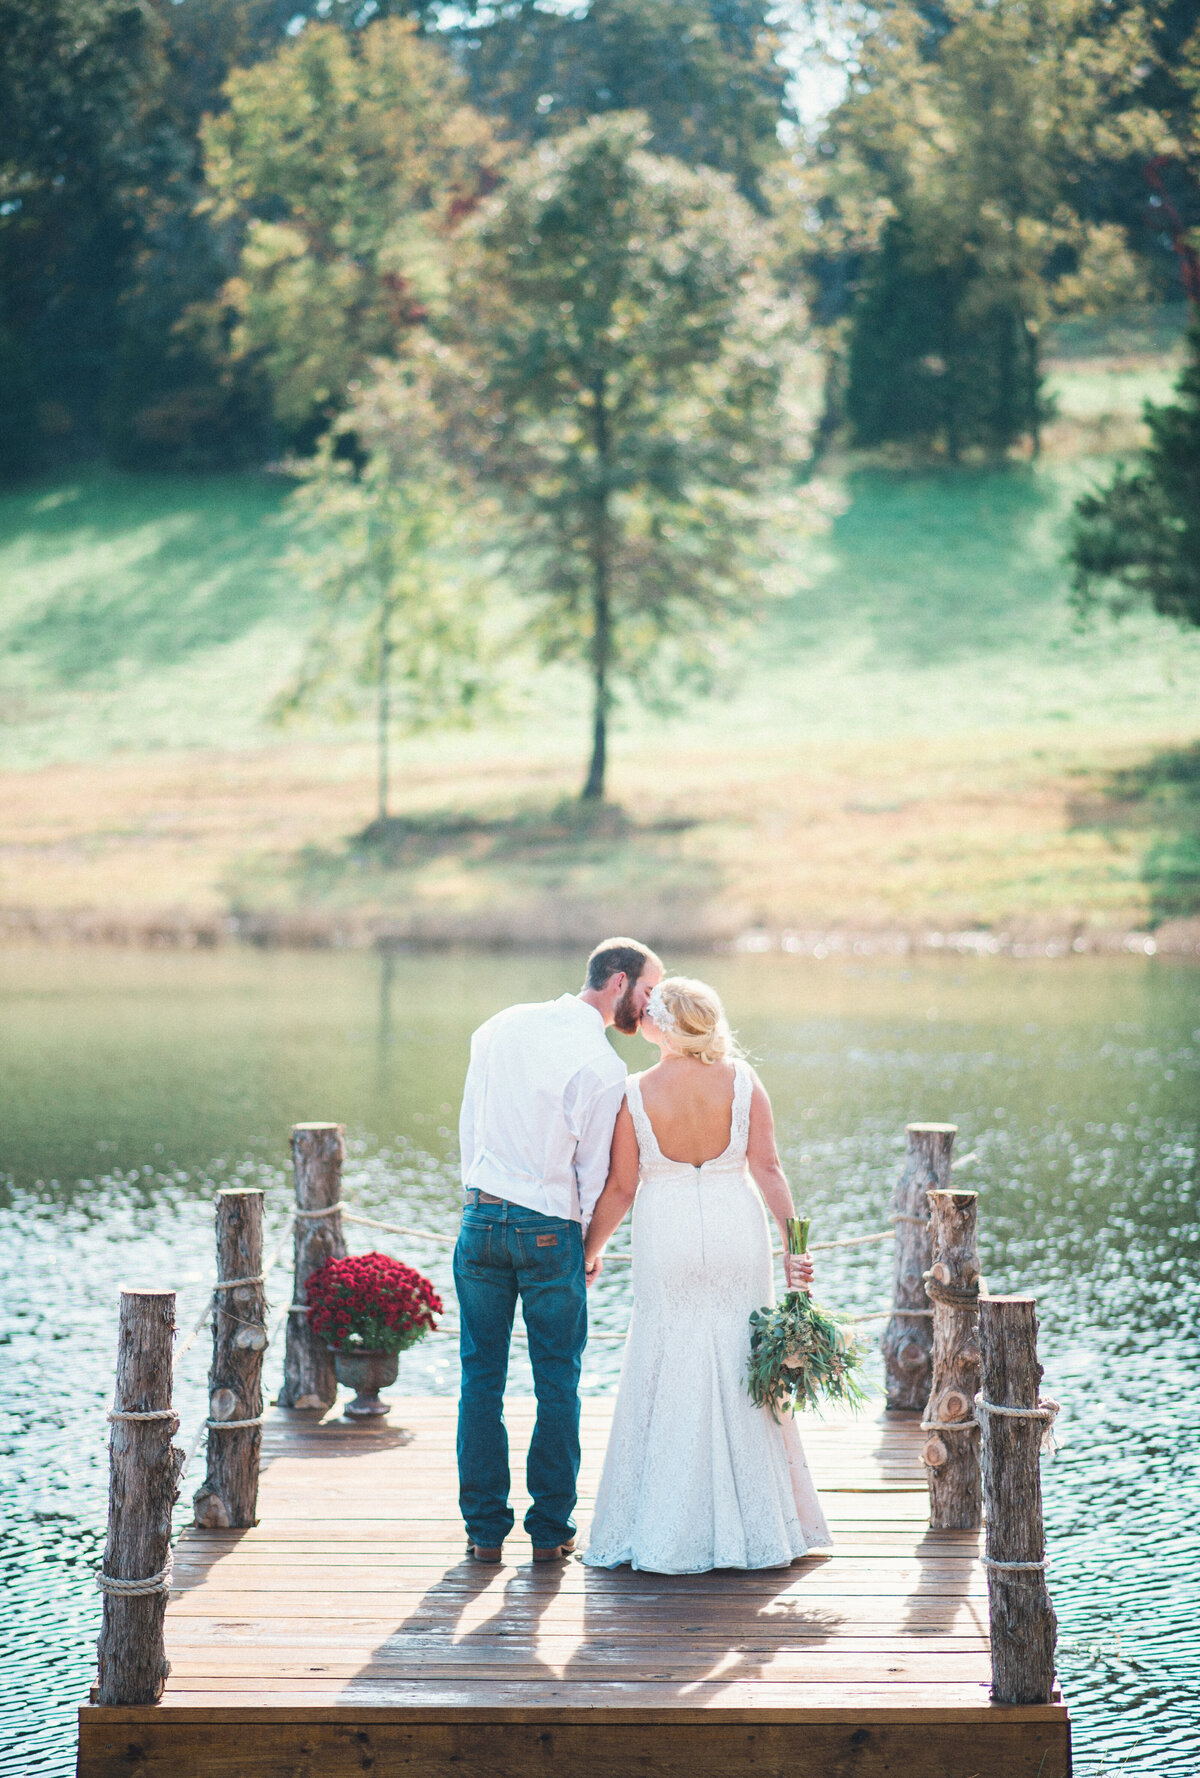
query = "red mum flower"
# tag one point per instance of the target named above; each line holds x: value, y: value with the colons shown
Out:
x: 372, y: 1298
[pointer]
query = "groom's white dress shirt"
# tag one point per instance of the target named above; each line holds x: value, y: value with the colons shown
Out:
x: 541, y: 1097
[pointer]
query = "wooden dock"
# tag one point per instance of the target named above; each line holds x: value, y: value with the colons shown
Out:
x: 346, y: 1633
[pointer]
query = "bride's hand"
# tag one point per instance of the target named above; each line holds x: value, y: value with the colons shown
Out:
x: 798, y: 1271
x: 592, y: 1269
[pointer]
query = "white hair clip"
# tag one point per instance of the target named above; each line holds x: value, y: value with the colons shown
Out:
x: 659, y: 1011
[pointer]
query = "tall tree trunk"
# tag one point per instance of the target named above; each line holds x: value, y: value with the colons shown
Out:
x: 951, y: 389
x: 1033, y: 391
x: 833, y: 398
x: 593, y: 789
x: 601, y: 652
x: 385, y: 701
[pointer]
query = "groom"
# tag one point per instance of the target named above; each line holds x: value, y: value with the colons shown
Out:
x: 540, y: 1101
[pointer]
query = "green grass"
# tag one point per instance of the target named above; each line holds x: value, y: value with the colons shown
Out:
x: 148, y: 613
x: 144, y: 614
x: 140, y: 612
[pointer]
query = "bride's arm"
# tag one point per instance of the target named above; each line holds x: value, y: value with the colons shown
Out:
x: 619, y: 1191
x: 766, y: 1169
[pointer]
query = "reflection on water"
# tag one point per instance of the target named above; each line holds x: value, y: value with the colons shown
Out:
x: 134, y: 1085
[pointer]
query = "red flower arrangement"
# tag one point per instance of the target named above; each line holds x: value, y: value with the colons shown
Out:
x: 370, y: 1303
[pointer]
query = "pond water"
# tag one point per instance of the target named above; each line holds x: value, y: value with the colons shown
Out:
x: 134, y: 1084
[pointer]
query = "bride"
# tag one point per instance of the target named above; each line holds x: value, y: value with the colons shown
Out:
x: 695, y: 1476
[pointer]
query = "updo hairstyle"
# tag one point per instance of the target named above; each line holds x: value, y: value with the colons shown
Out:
x: 697, y: 1023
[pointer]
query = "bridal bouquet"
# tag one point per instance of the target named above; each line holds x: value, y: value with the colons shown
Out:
x: 799, y: 1352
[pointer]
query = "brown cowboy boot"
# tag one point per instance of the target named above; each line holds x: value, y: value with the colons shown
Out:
x: 480, y: 1553
x: 558, y: 1552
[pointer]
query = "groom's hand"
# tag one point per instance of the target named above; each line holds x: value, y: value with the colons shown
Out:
x: 592, y: 1269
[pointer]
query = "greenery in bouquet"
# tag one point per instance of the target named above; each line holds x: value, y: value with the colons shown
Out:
x: 370, y: 1303
x: 799, y: 1352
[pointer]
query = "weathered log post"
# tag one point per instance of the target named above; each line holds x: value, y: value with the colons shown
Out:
x: 908, y: 1339
x: 951, y: 1453
x: 1013, y: 1423
x: 229, y: 1494
x: 143, y: 1486
x: 318, y: 1151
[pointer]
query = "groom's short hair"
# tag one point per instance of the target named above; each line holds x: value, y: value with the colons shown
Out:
x: 618, y: 956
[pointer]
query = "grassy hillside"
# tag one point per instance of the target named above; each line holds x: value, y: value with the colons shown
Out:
x: 918, y: 736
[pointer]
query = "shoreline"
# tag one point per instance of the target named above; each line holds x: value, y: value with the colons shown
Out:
x: 181, y: 930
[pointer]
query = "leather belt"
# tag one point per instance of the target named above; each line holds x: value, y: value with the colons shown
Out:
x: 486, y: 1197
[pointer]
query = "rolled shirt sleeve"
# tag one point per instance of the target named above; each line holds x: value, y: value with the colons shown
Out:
x: 592, y: 1104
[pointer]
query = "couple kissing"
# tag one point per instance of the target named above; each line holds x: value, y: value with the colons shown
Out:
x: 558, y: 1144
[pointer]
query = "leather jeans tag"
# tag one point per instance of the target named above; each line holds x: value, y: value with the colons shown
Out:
x: 547, y: 1240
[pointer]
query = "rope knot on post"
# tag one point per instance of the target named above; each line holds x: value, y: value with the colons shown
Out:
x: 137, y: 1589
x: 1046, y: 1411
x: 143, y: 1417
x: 953, y: 1296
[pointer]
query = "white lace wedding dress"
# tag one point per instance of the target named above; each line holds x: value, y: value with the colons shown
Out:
x: 695, y: 1476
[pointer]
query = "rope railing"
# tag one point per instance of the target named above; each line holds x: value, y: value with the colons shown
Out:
x: 191, y: 1336
x: 410, y: 1232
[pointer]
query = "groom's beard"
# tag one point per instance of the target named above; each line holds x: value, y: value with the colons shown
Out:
x: 625, y: 1015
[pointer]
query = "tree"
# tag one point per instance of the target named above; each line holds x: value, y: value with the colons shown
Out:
x: 176, y: 395
x: 1138, y: 540
x: 620, y: 373
x: 400, y: 624
x: 706, y: 73
x: 76, y: 79
x: 951, y: 173
x: 347, y: 161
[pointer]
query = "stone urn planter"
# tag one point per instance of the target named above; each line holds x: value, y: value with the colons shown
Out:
x: 366, y: 1373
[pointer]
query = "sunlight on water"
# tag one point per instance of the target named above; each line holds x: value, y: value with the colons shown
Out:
x: 135, y: 1085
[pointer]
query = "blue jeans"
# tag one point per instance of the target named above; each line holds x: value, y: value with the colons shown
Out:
x: 505, y: 1252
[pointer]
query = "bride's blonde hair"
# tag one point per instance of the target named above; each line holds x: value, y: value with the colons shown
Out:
x: 695, y: 1022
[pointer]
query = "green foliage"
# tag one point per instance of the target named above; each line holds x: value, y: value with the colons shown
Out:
x: 620, y: 375
x: 346, y: 162
x: 800, y: 1355
x: 706, y: 73
x: 103, y: 254
x: 143, y: 611
x: 938, y: 359
x: 76, y: 80
x: 951, y: 175
x: 1138, y: 540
